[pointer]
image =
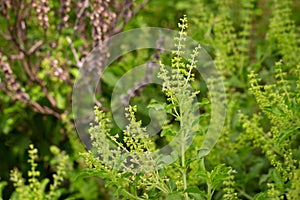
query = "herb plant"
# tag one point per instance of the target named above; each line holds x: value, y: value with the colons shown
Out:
x: 253, y: 43
x: 125, y: 161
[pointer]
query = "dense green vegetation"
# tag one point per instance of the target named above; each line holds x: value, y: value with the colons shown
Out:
x: 255, y: 45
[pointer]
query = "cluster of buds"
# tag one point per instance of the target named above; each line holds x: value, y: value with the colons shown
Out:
x: 64, y: 13
x: 229, y: 191
x: 12, y: 86
x: 41, y: 8
x: 102, y: 20
x: 58, y: 71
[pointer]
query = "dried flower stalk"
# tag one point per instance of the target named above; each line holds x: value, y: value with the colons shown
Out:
x: 41, y: 8
x: 12, y: 85
x: 64, y: 13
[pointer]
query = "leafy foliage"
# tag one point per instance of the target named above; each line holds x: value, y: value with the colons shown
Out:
x: 280, y: 105
x: 152, y: 180
x: 35, y: 189
x: 255, y: 46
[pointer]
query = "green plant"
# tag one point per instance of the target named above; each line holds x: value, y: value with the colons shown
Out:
x: 33, y: 188
x: 253, y: 43
x: 263, y: 33
x: 125, y: 162
x: 279, y: 103
x: 282, y: 33
x: 43, y: 45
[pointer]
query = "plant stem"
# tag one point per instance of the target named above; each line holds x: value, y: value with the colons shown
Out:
x: 183, y: 166
x: 243, y: 193
x: 209, y: 192
x: 131, y: 195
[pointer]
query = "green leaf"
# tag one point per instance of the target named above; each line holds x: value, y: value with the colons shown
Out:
x: 168, y: 132
x: 193, y: 189
x: 204, y: 102
x: 165, y: 159
x: 44, y: 183
x: 8, y: 125
x: 174, y: 196
x: 234, y: 81
x: 79, y: 43
x: 283, y: 135
x: 154, y: 194
x: 274, y: 110
x: 168, y: 159
x: 91, y: 172
x: 60, y: 100
x: 261, y: 196
x: 2, y: 186
x: 156, y: 106
x: 190, y: 160
x: 172, y: 185
x: 110, y: 79
x: 264, y: 179
x: 277, y: 178
x: 169, y: 108
x: 218, y: 175
x: 197, y: 196
x: 111, y: 183
x: 195, y: 192
x: 135, y: 184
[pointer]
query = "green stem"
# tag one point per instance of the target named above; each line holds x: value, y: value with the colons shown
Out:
x: 163, y: 189
x: 243, y: 193
x: 183, y: 165
x: 131, y: 195
x: 159, y: 186
x: 209, y: 190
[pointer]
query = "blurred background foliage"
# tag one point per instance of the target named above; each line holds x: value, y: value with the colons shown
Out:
x: 43, y: 44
